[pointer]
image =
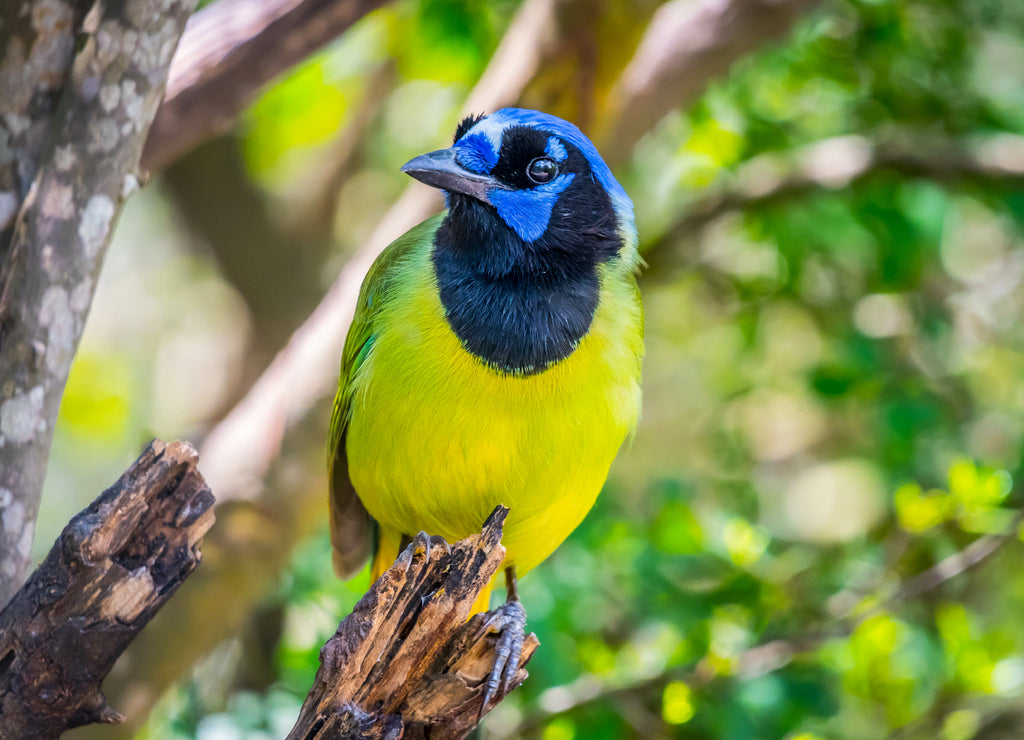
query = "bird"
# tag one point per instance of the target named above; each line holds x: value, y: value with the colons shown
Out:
x: 494, y: 356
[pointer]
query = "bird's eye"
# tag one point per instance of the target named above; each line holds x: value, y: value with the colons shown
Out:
x: 542, y: 170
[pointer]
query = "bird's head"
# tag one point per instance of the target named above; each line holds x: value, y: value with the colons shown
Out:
x: 535, y: 175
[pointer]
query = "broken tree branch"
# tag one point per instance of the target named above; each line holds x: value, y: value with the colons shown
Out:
x: 114, y: 565
x: 407, y: 663
x: 229, y: 51
x: 60, y: 237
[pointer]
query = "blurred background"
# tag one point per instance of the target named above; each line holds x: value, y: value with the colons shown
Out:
x: 816, y: 531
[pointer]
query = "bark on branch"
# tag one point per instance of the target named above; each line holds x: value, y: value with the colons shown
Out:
x: 406, y: 663
x: 37, y: 42
x: 111, y: 569
x: 60, y: 236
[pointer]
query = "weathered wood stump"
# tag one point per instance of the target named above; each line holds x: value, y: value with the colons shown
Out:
x: 112, y: 568
x: 406, y: 663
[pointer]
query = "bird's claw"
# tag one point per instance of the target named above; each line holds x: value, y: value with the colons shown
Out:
x: 509, y: 622
x: 422, y: 545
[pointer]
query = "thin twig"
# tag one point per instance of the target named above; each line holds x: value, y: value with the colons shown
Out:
x: 950, y: 567
x: 837, y: 163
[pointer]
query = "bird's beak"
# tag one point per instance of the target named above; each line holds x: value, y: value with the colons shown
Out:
x: 440, y: 170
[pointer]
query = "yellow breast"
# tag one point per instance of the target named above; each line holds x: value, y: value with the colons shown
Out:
x: 437, y: 438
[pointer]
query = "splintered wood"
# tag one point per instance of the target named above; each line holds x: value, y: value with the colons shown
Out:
x: 406, y: 663
x: 112, y: 568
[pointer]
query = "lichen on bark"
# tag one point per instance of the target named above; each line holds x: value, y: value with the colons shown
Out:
x: 68, y: 195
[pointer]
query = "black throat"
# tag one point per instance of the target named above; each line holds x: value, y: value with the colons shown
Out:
x: 519, y: 306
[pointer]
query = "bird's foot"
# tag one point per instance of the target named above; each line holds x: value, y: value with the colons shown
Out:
x: 508, y: 621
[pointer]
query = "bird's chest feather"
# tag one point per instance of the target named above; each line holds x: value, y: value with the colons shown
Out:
x: 438, y: 437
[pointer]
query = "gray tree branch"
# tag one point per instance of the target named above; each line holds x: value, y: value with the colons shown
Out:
x: 229, y: 51
x: 59, y: 239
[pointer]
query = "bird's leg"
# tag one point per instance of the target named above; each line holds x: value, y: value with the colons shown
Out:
x: 511, y: 584
x: 509, y: 622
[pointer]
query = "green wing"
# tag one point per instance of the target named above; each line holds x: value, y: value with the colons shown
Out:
x: 351, y: 526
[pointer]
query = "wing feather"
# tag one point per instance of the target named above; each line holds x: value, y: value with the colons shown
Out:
x: 352, y: 528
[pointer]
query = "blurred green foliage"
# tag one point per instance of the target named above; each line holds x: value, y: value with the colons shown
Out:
x: 834, y: 394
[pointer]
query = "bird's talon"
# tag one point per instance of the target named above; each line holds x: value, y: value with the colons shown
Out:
x: 441, y: 542
x: 421, y: 545
x: 508, y: 621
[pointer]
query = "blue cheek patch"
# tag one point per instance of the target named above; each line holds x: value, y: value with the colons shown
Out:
x: 476, y: 153
x: 556, y: 149
x: 527, y: 212
x: 568, y: 133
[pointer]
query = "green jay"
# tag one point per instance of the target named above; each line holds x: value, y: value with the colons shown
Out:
x: 494, y: 356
